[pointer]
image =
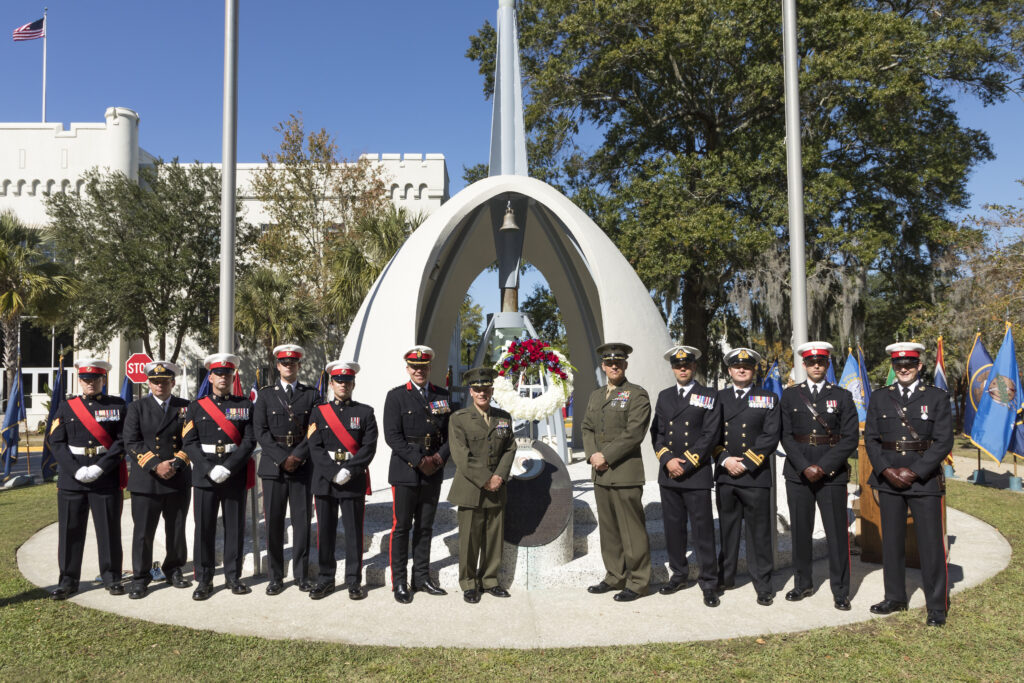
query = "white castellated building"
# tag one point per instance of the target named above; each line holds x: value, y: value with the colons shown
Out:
x: 37, y: 159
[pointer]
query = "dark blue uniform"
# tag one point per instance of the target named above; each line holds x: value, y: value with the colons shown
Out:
x: 750, y: 431
x: 415, y: 424
x: 329, y: 457
x: 807, y: 442
x: 207, y: 446
x: 688, y: 428
x: 152, y: 435
x: 74, y: 447
x: 280, y: 424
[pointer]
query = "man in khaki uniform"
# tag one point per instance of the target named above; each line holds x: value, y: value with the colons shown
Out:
x: 613, y: 428
x: 482, y: 446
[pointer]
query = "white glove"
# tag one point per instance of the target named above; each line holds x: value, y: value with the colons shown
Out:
x: 95, y: 472
x: 342, y: 476
x: 82, y: 474
x: 219, y: 474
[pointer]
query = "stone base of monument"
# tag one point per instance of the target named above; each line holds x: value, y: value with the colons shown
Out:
x: 554, y: 564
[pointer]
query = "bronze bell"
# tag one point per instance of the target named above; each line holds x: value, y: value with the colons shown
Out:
x: 509, y: 223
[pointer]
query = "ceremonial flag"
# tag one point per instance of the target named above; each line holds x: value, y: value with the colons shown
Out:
x: 236, y: 388
x: 850, y: 380
x: 30, y: 31
x: 127, y: 393
x: 865, y: 383
x: 979, y: 363
x: 773, y: 382
x: 48, y: 463
x: 12, y: 417
x: 997, y: 410
x: 940, y: 368
x: 1016, y: 446
x: 320, y: 385
x: 255, y: 391
x: 891, y: 377
x: 204, y: 386
x: 830, y: 374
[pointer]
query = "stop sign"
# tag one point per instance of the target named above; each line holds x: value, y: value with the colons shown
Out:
x: 135, y: 367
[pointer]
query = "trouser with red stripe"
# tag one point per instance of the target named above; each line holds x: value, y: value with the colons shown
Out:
x: 927, y: 511
x: 229, y: 500
x: 831, y: 501
x: 352, y: 513
x: 73, y: 508
x: 291, y: 493
x: 414, y: 509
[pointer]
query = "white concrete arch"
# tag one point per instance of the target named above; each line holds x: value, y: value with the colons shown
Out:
x: 416, y: 299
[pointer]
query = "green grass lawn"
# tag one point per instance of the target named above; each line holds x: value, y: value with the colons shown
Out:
x: 41, y: 639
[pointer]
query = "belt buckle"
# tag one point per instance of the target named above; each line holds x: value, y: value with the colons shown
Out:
x: 90, y: 451
x: 288, y: 439
x: 426, y: 443
x: 220, y: 450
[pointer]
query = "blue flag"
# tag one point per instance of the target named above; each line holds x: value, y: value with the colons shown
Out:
x: 12, y: 417
x: 979, y: 363
x: 320, y: 388
x: 865, y: 383
x: 1016, y: 446
x: 773, y: 382
x: 850, y: 381
x: 48, y: 462
x: 204, y: 387
x: 997, y: 410
x: 830, y: 374
x: 127, y: 393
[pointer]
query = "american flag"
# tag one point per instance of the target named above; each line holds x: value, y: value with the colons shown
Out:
x: 30, y: 31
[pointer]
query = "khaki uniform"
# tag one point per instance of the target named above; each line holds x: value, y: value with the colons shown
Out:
x: 480, y: 448
x: 615, y: 425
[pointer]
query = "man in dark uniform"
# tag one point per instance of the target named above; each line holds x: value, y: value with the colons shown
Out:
x: 685, y: 430
x: 819, y: 432
x: 613, y: 429
x: 908, y: 433
x: 160, y: 480
x: 482, y: 446
x: 416, y: 430
x: 342, y: 443
x: 86, y: 440
x: 743, y: 475
x: 282, y: 413
x: 218, y: 439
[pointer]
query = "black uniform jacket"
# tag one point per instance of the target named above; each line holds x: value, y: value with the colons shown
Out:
x: 409, y: 417
x: 359, y: 421
x: 927, y: 411
x: 835, y: 406
x: 750, y: 431
x: 152, y: 436
x: 67, y: 431
x: 200, y: 429
x: 688, y: 429
x: 274, y: 415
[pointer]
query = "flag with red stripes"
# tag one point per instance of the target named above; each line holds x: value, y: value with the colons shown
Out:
x: 30, y: 31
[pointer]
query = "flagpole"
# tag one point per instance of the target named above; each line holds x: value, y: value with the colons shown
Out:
x: 45, y: 31
x: 28, y: 441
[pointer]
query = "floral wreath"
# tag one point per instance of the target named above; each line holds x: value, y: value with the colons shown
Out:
x: 518, y: 356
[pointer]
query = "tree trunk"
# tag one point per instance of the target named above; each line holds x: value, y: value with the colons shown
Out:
x: 696, y: 317
x: 11, y: 325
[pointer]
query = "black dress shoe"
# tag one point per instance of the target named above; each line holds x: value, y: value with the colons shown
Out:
x: 428, y: 587
x: 843, y: 604
x: 115, y: 589
x: 936, y: 618
x: 305, y: 586
x: 403, y: 594
x: 471, y: 596
x: 178, y: 581
x: 599, y: 588
x: 626, y: 595
x: 672, y: 586
x: 722, y: 587
x: 321, y: 590
x: 275, y: 588
x: 888, y: 607
x: 798, y: 595
x: 498, y: 592
x: 138, y: 592
x: 765, y: 599
x: 204, y: 591
x: 239, y: 588
x: 356, y: 592
x: 711, y: 598
x: 62, y: 592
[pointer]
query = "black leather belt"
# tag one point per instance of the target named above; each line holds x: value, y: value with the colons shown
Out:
x: 817, y: 439
x: 907, y: 445
x: 424, y: 441
x: 287, y: 440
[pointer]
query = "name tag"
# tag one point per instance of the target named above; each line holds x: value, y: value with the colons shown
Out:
x: 764, y: 402
x: 353, y: 423
x: 240, y: 414
x: 701, y: 401
x: 111, y: 415
x: 441, y: 407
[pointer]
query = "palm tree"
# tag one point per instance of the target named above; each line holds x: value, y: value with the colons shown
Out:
x: 269, y: 311
x: 29, y: 282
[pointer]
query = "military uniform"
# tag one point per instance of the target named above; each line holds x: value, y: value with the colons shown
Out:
x: 482, y: 446
x: 826, y: 441
x: 750, y: 431
x: 282, y: 415
x: 614, y: 424
x: 415, y: 426
x: 208, y: 447
x: 331, y: 456
x: 918, y: 441
x: 78, y: 493
x: 152, y: 435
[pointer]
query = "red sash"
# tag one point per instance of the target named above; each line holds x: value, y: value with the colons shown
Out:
x: 100, y: 434
x: 338, y: 429
x: 224, y: 423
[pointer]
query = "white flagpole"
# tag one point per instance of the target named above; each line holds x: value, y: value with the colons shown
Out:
x: 45, y: 31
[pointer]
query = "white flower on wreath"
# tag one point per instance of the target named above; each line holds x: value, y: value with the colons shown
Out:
x: 506, y: 395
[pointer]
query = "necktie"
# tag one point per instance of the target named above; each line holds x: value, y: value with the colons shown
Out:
x: 739, y: 394
x: 814, y: 393
x: 906, y: 394
x: 289, y: 392
x: 165, y: 404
